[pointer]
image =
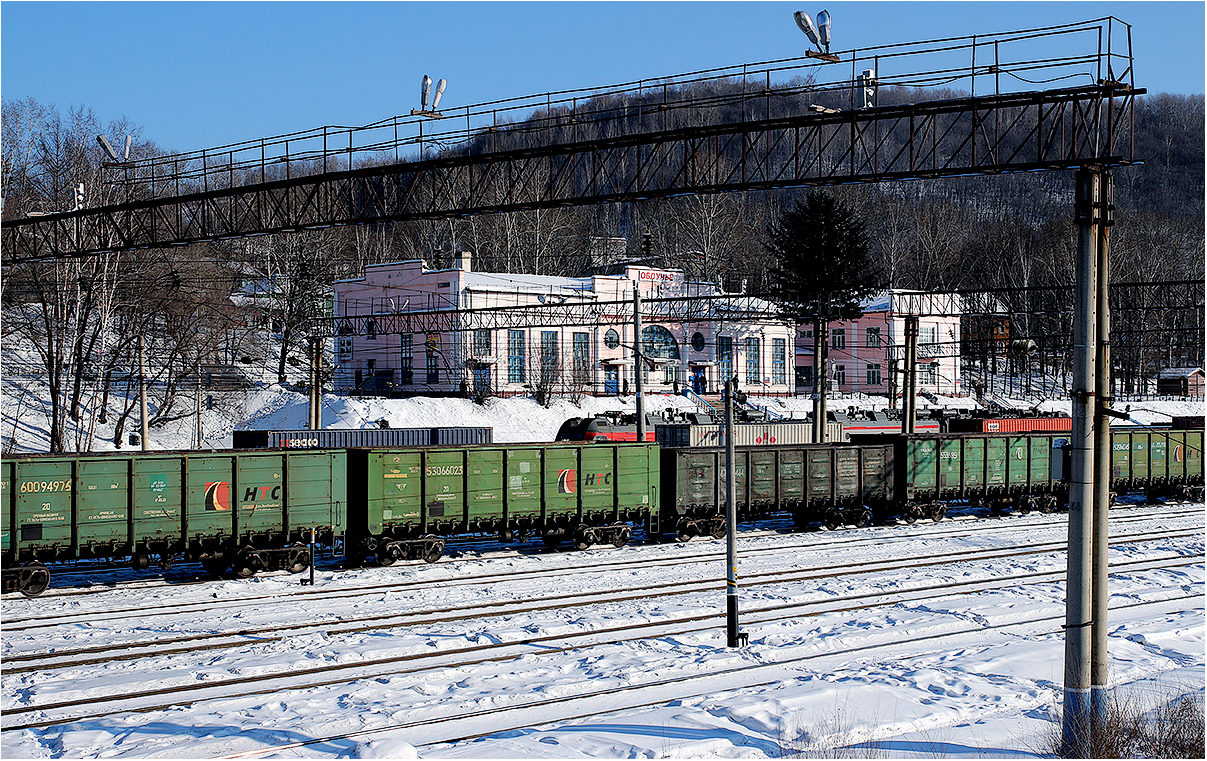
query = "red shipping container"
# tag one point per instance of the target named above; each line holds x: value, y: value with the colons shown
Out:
x: 1025, y: 424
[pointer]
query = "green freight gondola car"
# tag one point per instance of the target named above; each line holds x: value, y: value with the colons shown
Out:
x: 997, y: 471
x: 226, y: 509
x: 1160, y: 462
x: 403, y: 501
x: 832, y: 484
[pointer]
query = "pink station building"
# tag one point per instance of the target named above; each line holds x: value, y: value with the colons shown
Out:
x: 867, y: 354
x: 732, y: 334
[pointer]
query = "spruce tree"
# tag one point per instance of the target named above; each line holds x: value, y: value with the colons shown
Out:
x: 823, y: 271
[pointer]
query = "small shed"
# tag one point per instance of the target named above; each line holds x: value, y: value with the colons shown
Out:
x: 1180, y: 381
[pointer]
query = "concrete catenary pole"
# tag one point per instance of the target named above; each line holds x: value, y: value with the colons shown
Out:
x: 198, y: 434
x: 909, y: 391
x: 819, y: 380
x: 1102, y: 464
x: 313, y: 378
x: 318, y: 384
x: 142, y: 393
x: 1075, y: 724
x: 731, y: 523
x: 637, y: 380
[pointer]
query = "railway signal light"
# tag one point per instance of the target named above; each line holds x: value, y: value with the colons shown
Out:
x: 79, y: 196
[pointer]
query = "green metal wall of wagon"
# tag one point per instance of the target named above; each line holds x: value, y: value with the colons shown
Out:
x: 170, y: 504
x: 1160, y: 461
x: 816, y: 482
x: 997, y: 470
x: 403, y: 495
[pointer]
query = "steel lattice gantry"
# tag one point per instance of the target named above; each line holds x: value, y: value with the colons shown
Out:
x: 1051, y: 129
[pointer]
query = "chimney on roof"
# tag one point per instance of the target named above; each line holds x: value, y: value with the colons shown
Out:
x: 465, y: 261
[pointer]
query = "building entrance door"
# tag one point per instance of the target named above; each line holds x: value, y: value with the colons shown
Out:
x: 699, y: 380
x: 612, y: 380
x: 482, y: 379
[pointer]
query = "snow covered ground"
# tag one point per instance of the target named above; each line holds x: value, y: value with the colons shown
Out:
x: 923, y: 641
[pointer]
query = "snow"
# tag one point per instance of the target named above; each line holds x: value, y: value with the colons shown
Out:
x: 957, y: 655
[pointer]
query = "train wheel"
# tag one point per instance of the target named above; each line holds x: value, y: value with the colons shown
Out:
x: 720, y: 530
x: 910, y: 513
x: 939, y: 514
x: 833, y: 520
x: 244, y: 565
x: 621, y: 537
x: 434, y: 550
x: 552, y: 539
x: 584, y: 538
x: 299, y: 558
x: 32, y: 579
x: 864, y: 519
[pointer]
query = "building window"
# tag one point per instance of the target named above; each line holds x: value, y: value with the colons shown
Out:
x: 669, y: 374
x: 371, y: 329
x: 697, y: 341
x: 433, y: 365
x: 929, y: 374
x: 657, y: 342
x: 550, y: 364
x: 482, y: 343
x: 407, y: 351
x: 838, y: 338
x: 725, y: 358
x: 927, y: 335
x: 872, y: 338
x: 807, y: 333
x: 515, y: 356
x: 804, y: 376
x: 754, y: 357
x: 611, y: 339
x: 874, y: 375
x: 840, y: 375
x: 779, y: 359
x: 582, y: 357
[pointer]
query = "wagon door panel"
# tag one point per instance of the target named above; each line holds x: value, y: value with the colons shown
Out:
x: 102, y: 500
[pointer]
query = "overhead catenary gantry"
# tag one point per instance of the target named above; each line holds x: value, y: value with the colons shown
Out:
x: 799, y: 125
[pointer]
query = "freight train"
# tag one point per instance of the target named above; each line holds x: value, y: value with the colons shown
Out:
x: 241, y: 512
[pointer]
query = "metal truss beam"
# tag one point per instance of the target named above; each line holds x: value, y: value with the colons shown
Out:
x: 1053, y: 129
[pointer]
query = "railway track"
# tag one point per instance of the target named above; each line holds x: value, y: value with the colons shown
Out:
x: 199, y: 577
x: 712, y: 684
x: 277, y: 631
x: 797, y: 542
x: 269, y: 683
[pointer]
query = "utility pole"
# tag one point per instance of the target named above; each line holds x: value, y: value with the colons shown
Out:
x: 909, y: 402
x: 1104, y: 386
x: 142, y: 391
x: 197, y: 404
x: 1075, y: 724
x: 317, y: 386
x: 637, y: 381
x: 819, y: 380
x: 733, y: 638
x: 313, y: 376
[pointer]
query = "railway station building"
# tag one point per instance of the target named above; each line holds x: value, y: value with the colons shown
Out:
x: 867, y: 354
x: 574, y: 338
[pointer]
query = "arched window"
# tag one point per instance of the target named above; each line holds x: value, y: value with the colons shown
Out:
x: 657, y: 342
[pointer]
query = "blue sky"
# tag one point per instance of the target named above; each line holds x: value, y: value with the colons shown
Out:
x: 201, y: 74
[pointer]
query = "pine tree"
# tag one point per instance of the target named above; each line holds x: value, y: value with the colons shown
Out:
x: 823, y: 272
